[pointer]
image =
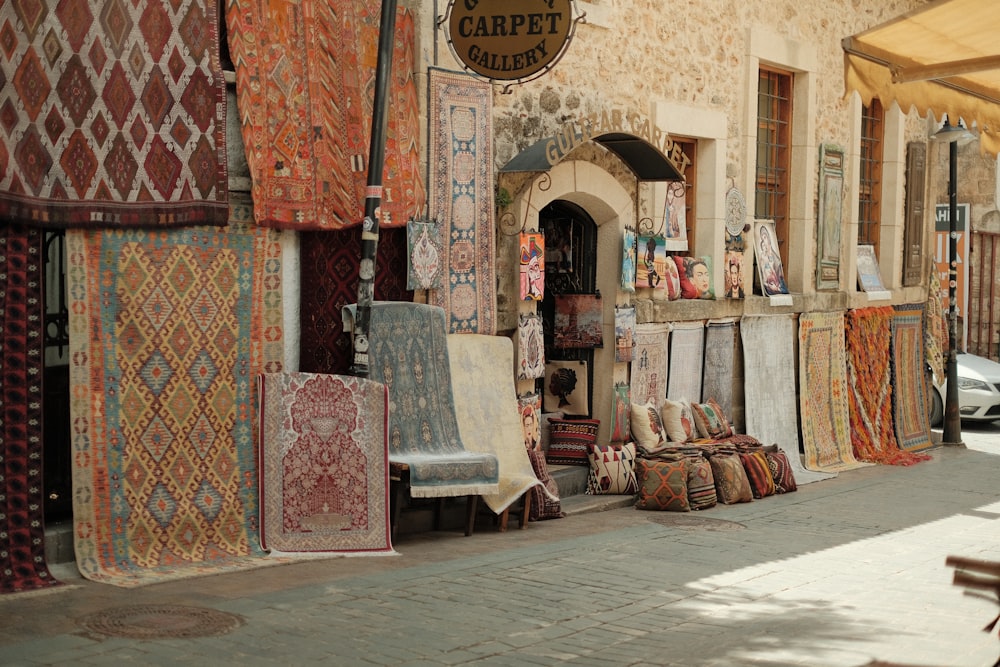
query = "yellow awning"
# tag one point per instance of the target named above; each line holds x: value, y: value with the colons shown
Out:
x: 943, y: 58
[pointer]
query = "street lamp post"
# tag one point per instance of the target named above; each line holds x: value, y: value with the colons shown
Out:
x: 952, y: 432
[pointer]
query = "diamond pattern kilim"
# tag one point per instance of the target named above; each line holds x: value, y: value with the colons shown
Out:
x: 107, y: 105
x: 165, y: 478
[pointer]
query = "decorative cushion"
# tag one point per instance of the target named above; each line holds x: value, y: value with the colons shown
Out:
x: 662, y: 485
x: 781, y: 470
x: 647, y: 429
x: 543, y: 505
x: 698, y: 286
x: 671, y: 280
x: 678, y: 421
x: 701, y: 484
x: 731, y: 483
x: 612, y: 470
x: 759, y: 475
x: 710, y: 420
x: 570, y: 441
x: 546, y: 428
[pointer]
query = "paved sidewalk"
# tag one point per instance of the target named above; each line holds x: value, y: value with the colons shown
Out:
x: 844, y: 572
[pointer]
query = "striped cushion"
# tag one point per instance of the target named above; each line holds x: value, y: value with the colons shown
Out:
x: 662, y: 485
x: 701, y: 484
x: 759, y: 475
x: 570, y: 441
x: 781, y: 470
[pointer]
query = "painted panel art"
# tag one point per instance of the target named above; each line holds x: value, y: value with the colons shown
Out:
x: 772, y: 275
x: 628, y: 259
x: 578, y: 322
x: 624, y: 333
x: 532, y: 256
x: 566, y: 388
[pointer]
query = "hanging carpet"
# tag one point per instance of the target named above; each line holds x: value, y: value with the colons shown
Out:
x: 687, y: 358
x: 487, y: 411
x: 329, y: 281
x: 909, y: 399
x: 461, y: 197
x: 22, y: 529
x: 409, y: 354
x: 649, y: 368
x: 167, y: 331
x: 823, y: 403
x: 114, y: 114
x: 769, y: 387
x: 720, y: 350
x: 324, y: 468
x: 869, y: 382
x: 304, y: 80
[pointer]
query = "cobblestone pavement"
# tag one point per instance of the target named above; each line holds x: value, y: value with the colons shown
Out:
x: 847, y: 571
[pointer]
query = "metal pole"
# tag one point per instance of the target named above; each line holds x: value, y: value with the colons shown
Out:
x: 952, y: 432
x: 373, y: 193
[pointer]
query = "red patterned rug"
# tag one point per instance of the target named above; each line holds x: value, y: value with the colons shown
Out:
x: 324, y: 464
x: 109, y: 105
x: 909, y: 398
x: 22, y: 532
x: 461, y: 197
x: 870, y: 388
x: 305, y: 80
x: 330, y: 281
x: 167, y: 331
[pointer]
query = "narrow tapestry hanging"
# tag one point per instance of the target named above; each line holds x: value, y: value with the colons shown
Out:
x: 532, y: 266
x: 650, y: 271
x: 621, y: 407
x: 423, y: 255
x: 675, y: 216
x: 628, y: 259
x: 530, y: 347
x: 624, y: 333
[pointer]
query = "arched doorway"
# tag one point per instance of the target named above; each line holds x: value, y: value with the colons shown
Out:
x: 570, y: 268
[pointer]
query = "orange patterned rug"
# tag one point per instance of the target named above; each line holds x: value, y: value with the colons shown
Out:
x: 167, y: 330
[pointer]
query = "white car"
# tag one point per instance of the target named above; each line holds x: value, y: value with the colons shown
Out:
x: 978, y: 390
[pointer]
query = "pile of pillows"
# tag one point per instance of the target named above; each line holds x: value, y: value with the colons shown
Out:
x: 679, y: 283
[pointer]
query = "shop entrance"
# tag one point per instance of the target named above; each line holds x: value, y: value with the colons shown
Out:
x: 570, y: 268
x: 56, y: 448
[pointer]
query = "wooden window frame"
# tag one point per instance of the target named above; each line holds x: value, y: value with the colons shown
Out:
x: 772, y: 184
x: 870, y: 182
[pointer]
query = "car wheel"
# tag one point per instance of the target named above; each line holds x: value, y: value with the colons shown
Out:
x: 936, y: 415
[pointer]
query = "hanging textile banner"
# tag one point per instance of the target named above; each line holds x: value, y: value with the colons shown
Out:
x: 532, y: 266
x: 424, y: 252
x: 624, y: 333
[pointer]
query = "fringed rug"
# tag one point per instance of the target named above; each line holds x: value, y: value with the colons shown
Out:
x: 305, y: 80
x: 870, y: 388
x: 409, y: 354
x: 487, y: 411
x: 720, y: 350
x: 22, y: 531
x: 649, y: 369
x: 329, y: 270
x: 936, y: 332
x: 167, y: 331
x: 826, y: 430
x: 909, y: 404
x: 687, y: 360
x: 461, y: 197
x: 114, y: 114
x: 324, y: 467
x: 769, y: 387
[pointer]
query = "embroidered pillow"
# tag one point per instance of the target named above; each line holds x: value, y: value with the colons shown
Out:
x: 570, y: 441
x: 678, y: 421
x: 545, y: 502
x: 701, y: 484
x: 710, y: 420
x: 781, y: 470
x: 696, y: 277
x: 612, y: 470
x: 647, y: 429
x: 672, y: 280
x: 731, y: 483
x: 662, y: 485
x: 758, y: 473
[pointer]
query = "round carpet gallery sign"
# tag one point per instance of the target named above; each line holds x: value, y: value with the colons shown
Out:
x: 511, y: 40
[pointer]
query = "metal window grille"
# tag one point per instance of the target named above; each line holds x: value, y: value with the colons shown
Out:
x: 870, y: 189
x: 774, y: 115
